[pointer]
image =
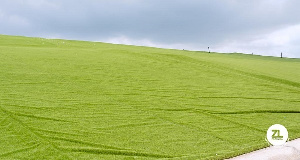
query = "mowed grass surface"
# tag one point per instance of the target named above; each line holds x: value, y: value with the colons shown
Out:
x: 64, y: 99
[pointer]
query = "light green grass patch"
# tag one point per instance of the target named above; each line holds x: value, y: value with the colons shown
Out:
x: 63, y: 99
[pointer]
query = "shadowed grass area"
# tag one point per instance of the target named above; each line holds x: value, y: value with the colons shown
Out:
x: 62, y: 99
x: 260, y: 111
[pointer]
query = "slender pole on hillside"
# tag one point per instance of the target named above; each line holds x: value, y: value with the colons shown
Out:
x: 208, y: 50
x: 281, y: 55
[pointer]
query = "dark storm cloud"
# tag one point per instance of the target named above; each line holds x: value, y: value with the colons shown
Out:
x: 229, y: 25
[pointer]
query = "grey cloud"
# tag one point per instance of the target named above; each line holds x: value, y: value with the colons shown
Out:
x: 192, y: 22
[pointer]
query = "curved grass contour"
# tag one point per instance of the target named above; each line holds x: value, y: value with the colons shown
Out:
x: 62, y: 99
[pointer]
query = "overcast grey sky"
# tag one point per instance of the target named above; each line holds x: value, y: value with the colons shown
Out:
x: 265, y: 27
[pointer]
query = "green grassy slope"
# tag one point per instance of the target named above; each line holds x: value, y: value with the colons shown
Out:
x: 64, y: 99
